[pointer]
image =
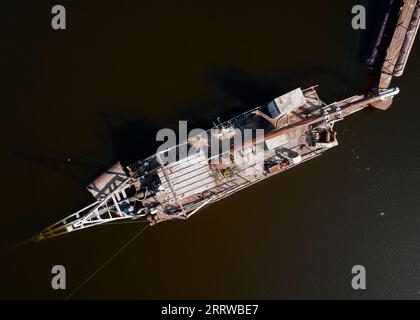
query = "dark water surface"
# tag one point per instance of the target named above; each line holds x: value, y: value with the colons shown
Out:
x: 99, y: 91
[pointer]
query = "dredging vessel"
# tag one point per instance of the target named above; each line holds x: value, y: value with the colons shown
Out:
x: 291, y: 129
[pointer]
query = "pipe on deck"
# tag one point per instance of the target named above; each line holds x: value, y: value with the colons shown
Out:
x: 408, y: 42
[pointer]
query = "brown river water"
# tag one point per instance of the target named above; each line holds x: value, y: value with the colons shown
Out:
x: 99, y: 91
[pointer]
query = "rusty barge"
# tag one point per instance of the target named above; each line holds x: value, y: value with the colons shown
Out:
x: 296, y: 127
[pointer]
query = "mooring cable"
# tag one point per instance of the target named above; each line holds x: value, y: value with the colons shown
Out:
x: 107, y: 261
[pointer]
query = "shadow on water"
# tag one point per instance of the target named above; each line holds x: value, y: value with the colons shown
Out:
x: 133, y: 137
x: 367, y: 41
x: 244, y: 90
x: 129, y: 138
x: 80, y: 168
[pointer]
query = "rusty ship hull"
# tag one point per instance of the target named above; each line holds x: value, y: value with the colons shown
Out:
x: 297, y: 126
x: 294, y: 127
